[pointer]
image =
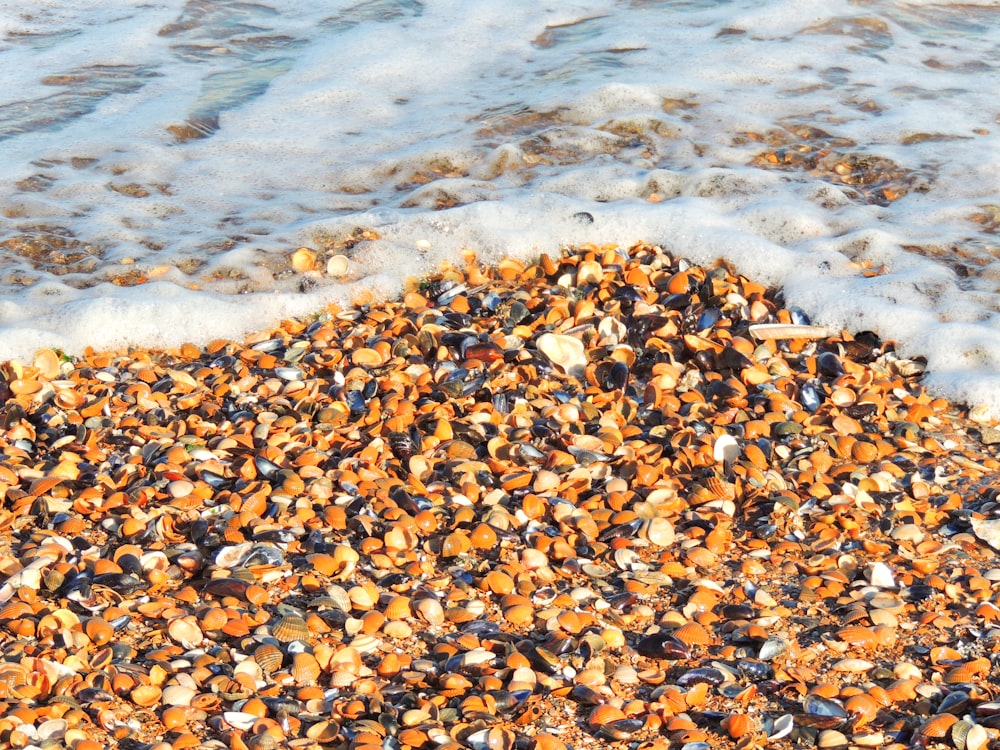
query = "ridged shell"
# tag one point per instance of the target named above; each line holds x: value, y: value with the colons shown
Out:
x: 305, y: 669
x: 269, y: 657
x: 858, y: 635
x: 693, y: 634
x: 290, y: 628
x: 398, y: 608
x: 937, y: 726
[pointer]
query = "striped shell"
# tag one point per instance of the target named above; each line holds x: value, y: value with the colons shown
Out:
x: 269, y: 657
x: 937, y: 726
x: 398, y: 608
x: 858, y: 635
x: 693, y: 634
x: 290, y: 628
x: 305, y: 669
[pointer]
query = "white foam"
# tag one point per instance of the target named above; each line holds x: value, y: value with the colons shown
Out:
x: 531, y: 118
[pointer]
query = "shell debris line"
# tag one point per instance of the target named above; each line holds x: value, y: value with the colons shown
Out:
x: 571, y: 504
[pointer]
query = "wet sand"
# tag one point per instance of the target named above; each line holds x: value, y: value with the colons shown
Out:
x: 606, y: 499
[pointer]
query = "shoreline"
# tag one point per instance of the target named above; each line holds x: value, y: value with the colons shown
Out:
x: 669, y: 529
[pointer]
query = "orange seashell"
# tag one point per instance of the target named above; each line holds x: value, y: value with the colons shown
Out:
x: 693, y: 634
x: 603, y: 714
x: 937, y: 726
x: 498, y: 582
x: 483, y: 537
x: 455, y: 544
x: 546, y: 741
x: 941, y: 654
x: 519, y: 614
x: 99, y: 631
x: 145, y: 695
x: 863, y: 707
x: 700, y: 557
x: 173, y: 717
x: 737, y: 725
x: 16, y: 609
x: 901, y: 691
x: 858, y: 635
x: 305, y: 669
x: 398, y: 608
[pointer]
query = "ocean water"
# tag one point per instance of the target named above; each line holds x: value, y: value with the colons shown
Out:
x: 159, y: 164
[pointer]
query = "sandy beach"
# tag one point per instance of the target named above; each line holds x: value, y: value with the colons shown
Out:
x: 606, y: 499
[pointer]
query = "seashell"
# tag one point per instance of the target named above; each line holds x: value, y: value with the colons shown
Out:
x: 880, y: 576
x: 782, y: 727
x: 240, y: 720
x: 858, y: 635
x: 303, y: 259
x: 232, y: 556
x: 145, y: 695
x: 737, y: 725
x: 604, y: 714
x: 305, y: 670
x: 937, y: 726
x: 707, y: 675
x: 289, y: 628
x: 662, y: 646
x: 831, y: 739
x: 269, y: 657
x: 658, y: 532
x: 977, y: 738
x: 48, y: 364
x: 185, y: 631
x: 816, y: 705
x: 398, y: 608
x: 618, y: 731
x: 852, y: 665
x: 693, y: 634
x: 768, y: 331
x: 430, y: 611
x: 772, y: 648
x: 177, y: 695
x: 565, y: 352
x: 338, y: 265
x: 862, y: 707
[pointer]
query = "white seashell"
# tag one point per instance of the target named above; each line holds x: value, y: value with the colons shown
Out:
x: 726, y: 451
x: 565, y: 352
x: 987, y: 530
x: 879, y: 575
x: 184, y: 631
x: 177, y: 695
x: 338, y: 265
x: 239, y: 720
x: 233, y: 555
x: 783, y: 726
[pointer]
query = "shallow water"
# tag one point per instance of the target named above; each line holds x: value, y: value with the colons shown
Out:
x: 161, y: 163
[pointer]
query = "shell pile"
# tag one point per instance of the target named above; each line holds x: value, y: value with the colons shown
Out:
x: 609, y: 498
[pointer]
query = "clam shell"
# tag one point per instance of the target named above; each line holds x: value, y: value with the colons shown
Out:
x: 565, y: 352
